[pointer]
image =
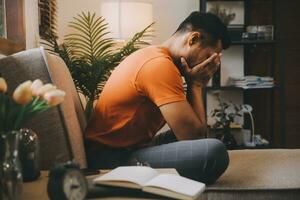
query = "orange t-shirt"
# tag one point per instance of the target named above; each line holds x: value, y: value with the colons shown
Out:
x: 127, y: 113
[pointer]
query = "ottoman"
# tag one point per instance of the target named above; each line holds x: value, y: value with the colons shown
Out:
x: 260, y: 175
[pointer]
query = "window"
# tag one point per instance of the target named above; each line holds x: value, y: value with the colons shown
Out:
x: 12, y: 27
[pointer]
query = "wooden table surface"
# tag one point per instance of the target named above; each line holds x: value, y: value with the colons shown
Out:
x: 37, y: 190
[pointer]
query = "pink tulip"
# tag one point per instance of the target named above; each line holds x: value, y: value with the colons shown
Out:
x: 3, y: 85
x: 36, y: 85
x: 22, y: 94
x: 45, y: 88
x: 54, y: 97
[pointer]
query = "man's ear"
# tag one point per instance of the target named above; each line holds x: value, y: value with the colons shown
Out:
x: 194, y: 38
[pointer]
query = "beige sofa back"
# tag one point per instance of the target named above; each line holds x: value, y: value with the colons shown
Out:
x: 60, y: 130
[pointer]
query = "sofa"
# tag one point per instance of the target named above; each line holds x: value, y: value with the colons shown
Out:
x: 60, y: 129
x: 252, y: 174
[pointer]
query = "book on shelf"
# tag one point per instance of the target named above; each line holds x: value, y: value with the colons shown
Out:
x: 251, y: 78
x: 255, y: 86
x: 149, y: 180
x: 251, y: 82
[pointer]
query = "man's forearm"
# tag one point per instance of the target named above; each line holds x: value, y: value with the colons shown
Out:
x: 194, y: 96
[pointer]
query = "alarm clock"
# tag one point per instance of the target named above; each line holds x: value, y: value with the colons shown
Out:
x: 66, y: 182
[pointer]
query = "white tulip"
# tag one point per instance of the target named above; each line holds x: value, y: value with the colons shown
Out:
x: 3, y: 85
x: 45, y: 88
x: 22, y: 94
x: 36, y: 85
x: 54, y: 97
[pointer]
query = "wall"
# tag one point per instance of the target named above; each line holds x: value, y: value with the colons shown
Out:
x: 31, y: 23
x: 67, y: 9
x: 168, y: 14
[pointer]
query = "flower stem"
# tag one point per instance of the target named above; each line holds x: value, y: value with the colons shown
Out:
x: 2, y: 110
x: 19, y: 118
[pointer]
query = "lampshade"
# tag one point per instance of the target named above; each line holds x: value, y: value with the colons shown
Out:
x: 125, y: 18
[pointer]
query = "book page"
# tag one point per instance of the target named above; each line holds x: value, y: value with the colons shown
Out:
x: 133, y: 174
x: 176, y: 184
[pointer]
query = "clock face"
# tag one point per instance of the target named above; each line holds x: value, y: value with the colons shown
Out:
x: 74, y: 185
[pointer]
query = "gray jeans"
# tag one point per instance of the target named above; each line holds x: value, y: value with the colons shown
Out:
x: 203, y: 160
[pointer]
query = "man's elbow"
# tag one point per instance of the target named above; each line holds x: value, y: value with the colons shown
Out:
x: 195, y: 132
x: 201, y: 131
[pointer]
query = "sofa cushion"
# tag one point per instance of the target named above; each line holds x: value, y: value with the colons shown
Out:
x: 259, y: 174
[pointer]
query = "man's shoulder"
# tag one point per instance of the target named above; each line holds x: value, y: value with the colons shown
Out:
x: 150, y: 59
x: 154, y: 52
x: 159, y: 61
x: 159, y: 67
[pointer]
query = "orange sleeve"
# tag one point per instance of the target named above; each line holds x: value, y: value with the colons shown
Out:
x: 160, y: 80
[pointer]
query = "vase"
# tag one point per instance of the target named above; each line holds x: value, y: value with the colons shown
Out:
x: 1, y: 160
x: 29, y: 155
x: 11, y: 172
x: 228, y: 139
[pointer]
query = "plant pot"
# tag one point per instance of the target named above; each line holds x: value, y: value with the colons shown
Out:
x: 11, y: 171
x: 228, y: 139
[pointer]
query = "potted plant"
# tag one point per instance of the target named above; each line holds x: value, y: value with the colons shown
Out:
x: 28, y: 100
x: 224, y: 115
x: 90, y: 55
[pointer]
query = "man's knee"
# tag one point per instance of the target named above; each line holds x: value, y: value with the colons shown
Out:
x: 218, y: 151
x: 218, y: 156
x: 207, y: 162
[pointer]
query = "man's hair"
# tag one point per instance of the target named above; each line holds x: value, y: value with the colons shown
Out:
x: 211, y: 27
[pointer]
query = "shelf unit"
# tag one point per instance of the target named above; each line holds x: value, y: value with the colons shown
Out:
x: 239, y: 88
x: 270, y: 93
x: 253, y: 42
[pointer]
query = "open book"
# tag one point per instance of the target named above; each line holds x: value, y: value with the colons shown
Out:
x: 150, y: 180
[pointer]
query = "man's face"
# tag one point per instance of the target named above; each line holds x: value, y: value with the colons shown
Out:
x: 196, y: 53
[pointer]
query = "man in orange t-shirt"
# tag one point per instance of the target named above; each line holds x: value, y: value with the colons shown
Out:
x: 146, y: 91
